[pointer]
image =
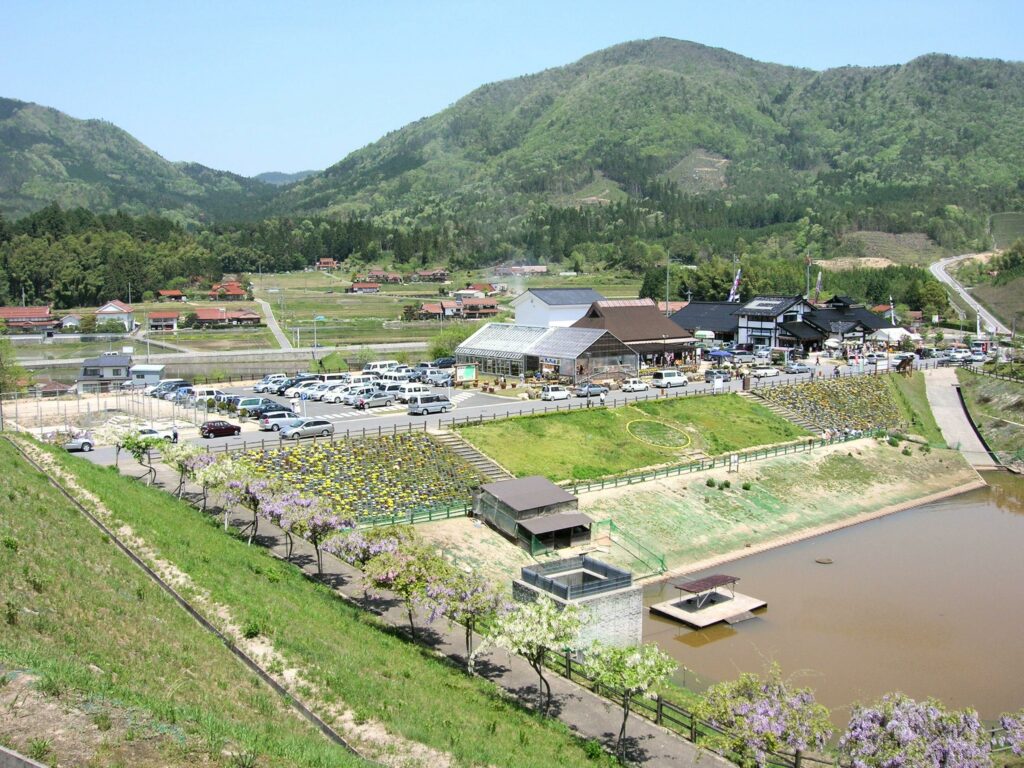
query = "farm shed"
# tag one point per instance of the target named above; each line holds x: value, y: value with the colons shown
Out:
x: 533, y: 511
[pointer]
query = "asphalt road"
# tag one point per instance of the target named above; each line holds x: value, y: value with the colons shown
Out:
x: 988, y: 320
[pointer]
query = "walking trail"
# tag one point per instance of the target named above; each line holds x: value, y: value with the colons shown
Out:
x: 590, y: 716
x: 953, y: 421
x: 268, y: 314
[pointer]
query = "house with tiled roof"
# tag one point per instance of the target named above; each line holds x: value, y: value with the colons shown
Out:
x: 222, y: 316
x: 474, y: 309
x: 27, y: 318
x: 326, y: 263
x: 163, y: 321
x: 383, y: 276
x: 103, y: 373
x: 446, y: 309
x: 116, y: 311
x: 231, y: 290
x: 171, y: 294
x: 553, y: 307
x: 639, y: 324
x: 363, y: 287
x: 759, y: 320
x: 430, y: 275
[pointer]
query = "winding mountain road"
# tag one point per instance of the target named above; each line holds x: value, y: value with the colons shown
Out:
x: 938, y: 269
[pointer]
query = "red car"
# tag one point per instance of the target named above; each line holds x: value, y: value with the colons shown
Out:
x: 219, y: 429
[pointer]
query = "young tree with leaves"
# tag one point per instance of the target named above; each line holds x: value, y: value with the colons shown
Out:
x: 319, y: 527
x: 465, y: 598
x: 212, y: 473
x: 762, y: 716
x: 181, y: 457
x: 406, y: 570
x: 531, y: 630
x: 898, y: 732
x: 141, y: 449
x: 633, y: 670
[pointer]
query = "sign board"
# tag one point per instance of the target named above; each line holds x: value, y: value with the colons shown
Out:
x: 734, y: 463
x: 465, y: 373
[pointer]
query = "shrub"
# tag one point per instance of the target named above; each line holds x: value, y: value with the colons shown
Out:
x: 723, y: 485
x: 746, y: 486
x: 906, y: 450
x: 893, y: 441
x: 710, y: 482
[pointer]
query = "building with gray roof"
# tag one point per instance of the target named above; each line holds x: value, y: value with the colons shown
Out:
x: 553, y: 307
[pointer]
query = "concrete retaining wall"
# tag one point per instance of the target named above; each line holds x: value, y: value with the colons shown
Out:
x: 614, y: 618
x: 9, y: 759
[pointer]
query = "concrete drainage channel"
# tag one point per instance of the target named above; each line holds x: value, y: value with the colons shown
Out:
x: 298, y: 706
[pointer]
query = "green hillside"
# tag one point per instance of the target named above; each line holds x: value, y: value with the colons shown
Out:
x: 934, y: 132
x: 47, y: 156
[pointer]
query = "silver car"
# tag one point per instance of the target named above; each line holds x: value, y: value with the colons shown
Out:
x: 308, y: 427
x: 83, y: 443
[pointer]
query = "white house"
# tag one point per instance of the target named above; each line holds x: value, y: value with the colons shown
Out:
x: 761, y: 317
x: 116, y: 310
x: 100, y: 374
x: 553, y: 307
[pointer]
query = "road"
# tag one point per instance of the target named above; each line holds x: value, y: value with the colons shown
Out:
x: 938, y: 269
x: 268, y: 315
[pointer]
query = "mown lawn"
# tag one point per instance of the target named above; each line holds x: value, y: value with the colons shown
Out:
x: 101, y: 635
x: 912, y: 400
x: 340, y: 647
x: 596, y: 442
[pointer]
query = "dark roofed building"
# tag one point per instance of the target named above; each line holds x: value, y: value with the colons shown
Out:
x: 103, y: 373
x: 715, y: 316
x: 533, y: 511
x: 639, y: 324
x: 761, y: 318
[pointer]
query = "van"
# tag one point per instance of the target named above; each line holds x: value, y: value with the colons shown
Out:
x: 409, y: 390
x: 670, y: 378
x: 394, y: 377
x: 390, y: 388
x: 423, y: 405
x: 202, y: 394
x: 380, y: 366
x: 363, y: 378
x: 333, y: 378
x: 163, y: 386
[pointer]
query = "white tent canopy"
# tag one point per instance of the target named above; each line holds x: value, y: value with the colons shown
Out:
x: 893, y: 335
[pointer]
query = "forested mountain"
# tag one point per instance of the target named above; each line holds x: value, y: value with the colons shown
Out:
x: 884, y: 147
x: 47, y: 156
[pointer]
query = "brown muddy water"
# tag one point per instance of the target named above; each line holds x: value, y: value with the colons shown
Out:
x: 929, y: 601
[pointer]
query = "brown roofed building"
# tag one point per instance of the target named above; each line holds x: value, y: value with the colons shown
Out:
x: 638, y: 324
x: 27, y: 318
x: 473, y: 309
x: 327, y: 263
x: 231, y: 290
x: 361, y: 287
x: 171, y: 295
x: 163, y: 321
x: 383, y: 276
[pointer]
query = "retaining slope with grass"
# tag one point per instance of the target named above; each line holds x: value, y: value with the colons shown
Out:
x: 597, y: 442
x: 129, y: 678
x: 341, y: 648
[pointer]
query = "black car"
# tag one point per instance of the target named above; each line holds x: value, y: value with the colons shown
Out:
x: 258, y: 410
x: 287, y: 384
x: 444, y: 362
x: 219, y: 428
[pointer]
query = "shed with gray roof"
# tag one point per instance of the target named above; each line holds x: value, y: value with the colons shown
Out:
x: 553, y: 307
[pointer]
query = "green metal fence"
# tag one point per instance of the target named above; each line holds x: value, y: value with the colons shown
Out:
x: 651, y: 563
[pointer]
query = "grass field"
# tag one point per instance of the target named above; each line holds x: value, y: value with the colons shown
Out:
x: 689, y: 521
x: 997, y: 407
x: 341, y: 648
x: 912, y: 401
x: 220, y: 339
x: 62, y: 350
x: 597, y: 442
x: 1006, y: 227
x: 1004, y: 301
x: 144, y: 685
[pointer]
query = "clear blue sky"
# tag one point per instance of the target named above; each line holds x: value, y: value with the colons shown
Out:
x: 260, y: 86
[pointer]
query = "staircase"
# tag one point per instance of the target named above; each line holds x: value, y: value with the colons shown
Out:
x: 491, y: 471
x: 783, y: 412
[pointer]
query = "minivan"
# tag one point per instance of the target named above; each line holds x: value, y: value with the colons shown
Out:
x: 394, y: 377
x: 333, y: 378
x: 427, y: 404
x: 391, y: 388
x: 410, y: 390
x: 380, y: 366
x: 363, y: 378
x: 202, y: 394
x: 663, y: 379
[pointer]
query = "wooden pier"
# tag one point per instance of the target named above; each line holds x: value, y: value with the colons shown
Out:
x: 711, y: 600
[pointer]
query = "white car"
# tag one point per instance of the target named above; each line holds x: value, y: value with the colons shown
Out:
x: 763, y: 372
x: 554, y: 392
x: 635, y: 385
x: 163, y: 434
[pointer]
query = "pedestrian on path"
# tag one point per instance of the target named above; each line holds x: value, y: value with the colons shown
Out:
x: 174, y: 434
x: 602, y: 398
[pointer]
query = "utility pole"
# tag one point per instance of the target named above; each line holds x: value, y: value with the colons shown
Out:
x: 668, y: 263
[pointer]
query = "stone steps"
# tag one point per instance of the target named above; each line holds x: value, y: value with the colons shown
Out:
x: 490, y: 469
x: 783, y: 412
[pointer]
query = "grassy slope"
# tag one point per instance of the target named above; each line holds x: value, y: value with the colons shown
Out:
x: 997, y: 408
x: 1002, y: 300
x: 912, y: 400
x: 593, y: 443
x: 342, y: 649
x: 78, y: 602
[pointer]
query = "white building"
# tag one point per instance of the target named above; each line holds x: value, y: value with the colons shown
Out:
x: 116, y: 310
x: 145, y: 375
x: 553, y: 307
x: 760, y: 318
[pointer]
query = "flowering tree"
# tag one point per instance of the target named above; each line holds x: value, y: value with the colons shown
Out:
x: 530, y: 630
x: 898, y: 732
x: 212, y: 474
x: 633, y: 670
x: 1014, y: 725
x: 180, y: 456
x: 466, y: 599
x: 406, y: 570
x: 246, y: 490
x: 141, y: 447
x: 759, y: 717
x: 290, y: 512
x: 320, y: 526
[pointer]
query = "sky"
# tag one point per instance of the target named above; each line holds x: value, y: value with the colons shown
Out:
x: 287, y: 86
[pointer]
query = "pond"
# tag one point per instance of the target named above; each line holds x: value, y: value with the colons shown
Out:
x: 927, y: 601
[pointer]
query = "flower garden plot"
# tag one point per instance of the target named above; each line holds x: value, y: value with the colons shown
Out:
x: 390, y: 475
x: 858, y: 402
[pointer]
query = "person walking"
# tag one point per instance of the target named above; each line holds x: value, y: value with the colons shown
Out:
x: 174, y: 434
x: 602, y: 398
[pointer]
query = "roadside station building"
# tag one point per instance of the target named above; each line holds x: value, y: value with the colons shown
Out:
x: 639, y: 324
x: 581, y: 354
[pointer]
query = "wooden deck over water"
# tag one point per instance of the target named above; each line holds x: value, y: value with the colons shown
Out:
x: 730, y: 608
